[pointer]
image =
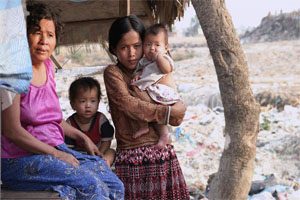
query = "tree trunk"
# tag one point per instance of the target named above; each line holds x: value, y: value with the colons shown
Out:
x: 234, y: 176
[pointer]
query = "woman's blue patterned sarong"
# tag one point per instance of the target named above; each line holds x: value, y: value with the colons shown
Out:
x: 93, y: 179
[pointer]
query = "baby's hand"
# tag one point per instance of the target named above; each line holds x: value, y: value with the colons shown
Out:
x: 153, y: 55
x: 135, y: 78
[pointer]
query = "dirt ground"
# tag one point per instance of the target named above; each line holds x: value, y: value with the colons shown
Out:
x: 273, y: 67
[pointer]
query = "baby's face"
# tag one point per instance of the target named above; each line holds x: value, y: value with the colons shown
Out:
x: 154, y: 44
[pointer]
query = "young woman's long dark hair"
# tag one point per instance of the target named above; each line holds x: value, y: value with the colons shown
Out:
x: 122, y: 26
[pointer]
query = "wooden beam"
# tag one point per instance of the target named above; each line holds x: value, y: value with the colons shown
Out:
x: 124, y: 8
x: 55, y: 62
x: 91, y: 31
x: 28, y: 195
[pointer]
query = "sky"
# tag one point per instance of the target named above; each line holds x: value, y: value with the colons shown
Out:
x: 246, y: 13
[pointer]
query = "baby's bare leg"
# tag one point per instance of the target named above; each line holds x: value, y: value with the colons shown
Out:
x: 109, y: 156
x: 163, y: 132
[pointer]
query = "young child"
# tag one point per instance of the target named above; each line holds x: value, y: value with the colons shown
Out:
x: 153, y: 74
x: 84, y: 96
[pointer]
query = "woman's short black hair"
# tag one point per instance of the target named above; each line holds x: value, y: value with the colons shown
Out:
x: 37, y: 12
x: 122, y: 26
x: 85, y: 83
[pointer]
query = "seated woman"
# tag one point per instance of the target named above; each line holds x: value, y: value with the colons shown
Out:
x: 33, y: 153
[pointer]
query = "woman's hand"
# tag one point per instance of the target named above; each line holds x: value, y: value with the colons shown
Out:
x: 77, y: 135
x: 66, y: 157
x: 177, y: 113
x: 90, y: 147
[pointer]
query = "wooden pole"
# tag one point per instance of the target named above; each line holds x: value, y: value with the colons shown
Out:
x: 124, y: 8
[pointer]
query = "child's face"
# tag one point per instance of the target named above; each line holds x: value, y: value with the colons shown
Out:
x: 154, y: 44
x: 86, y: 104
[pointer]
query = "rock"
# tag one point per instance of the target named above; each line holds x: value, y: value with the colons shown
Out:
x: 260, y: 185
x: 262, y: 196
x: 278, y: 100
x: 257, y: 187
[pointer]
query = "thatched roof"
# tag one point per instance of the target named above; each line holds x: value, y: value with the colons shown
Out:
x: 88, y: 21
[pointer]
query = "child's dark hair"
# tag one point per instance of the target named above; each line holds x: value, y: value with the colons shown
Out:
x: 84, y: 83
x: 156, y: 29
x: 122, y: 26
x: 37, y: 12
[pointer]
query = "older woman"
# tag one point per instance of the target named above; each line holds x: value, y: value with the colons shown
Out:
x: 33, y: 153
x: 146, y: 171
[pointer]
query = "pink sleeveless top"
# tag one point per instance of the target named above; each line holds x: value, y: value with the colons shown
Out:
x: 40, y: 115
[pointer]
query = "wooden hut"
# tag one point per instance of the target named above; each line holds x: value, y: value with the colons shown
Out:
x: 88, y: 21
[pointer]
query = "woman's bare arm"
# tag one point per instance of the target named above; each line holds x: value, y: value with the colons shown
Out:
x: 12, y: 129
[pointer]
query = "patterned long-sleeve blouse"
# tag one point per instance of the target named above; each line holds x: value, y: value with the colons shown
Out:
x: 128, y: 110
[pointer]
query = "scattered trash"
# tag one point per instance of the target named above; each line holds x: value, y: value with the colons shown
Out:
x: 199, y: 140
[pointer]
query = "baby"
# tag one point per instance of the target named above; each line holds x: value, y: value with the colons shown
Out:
x: 153, y: 74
